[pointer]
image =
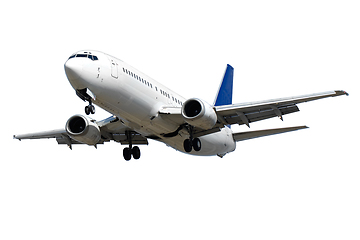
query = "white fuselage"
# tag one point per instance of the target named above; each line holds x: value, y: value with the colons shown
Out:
x: 136, y: 100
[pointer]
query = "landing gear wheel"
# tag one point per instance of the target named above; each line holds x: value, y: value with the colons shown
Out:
x: 87, y: 110
x: 136, y: 152
x: 196, y: 144
x: 127, y: 153
x: 187, y: 145
x: 92, y: 109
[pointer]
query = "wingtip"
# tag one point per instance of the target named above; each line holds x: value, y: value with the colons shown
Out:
x: 341, y: 92
x: 301, y: 127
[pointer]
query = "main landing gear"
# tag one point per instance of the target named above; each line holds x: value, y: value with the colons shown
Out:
x: 128, y: 151
x: 131, y: 151
x: 192, y: 143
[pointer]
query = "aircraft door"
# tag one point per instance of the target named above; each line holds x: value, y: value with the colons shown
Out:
x: 114, y: 68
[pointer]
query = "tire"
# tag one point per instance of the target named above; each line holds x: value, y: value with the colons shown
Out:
x: 127, y: 153
x: 196, y: 144
x: 187, y: 145
x: 92, y: 109
x: 136, y: 152
x: 87, y: 110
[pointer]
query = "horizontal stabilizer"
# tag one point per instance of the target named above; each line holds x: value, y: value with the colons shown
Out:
x: 262, y: 133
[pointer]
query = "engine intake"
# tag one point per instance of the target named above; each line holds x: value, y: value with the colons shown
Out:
x: 199, y: 113
x: 82, y: 129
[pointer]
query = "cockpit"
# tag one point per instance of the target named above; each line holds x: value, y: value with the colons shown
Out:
x: 84, y: 55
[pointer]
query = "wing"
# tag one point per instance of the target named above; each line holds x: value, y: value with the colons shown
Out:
x: 246, y: 113
x: 110, y: 128
x: 60, y: 135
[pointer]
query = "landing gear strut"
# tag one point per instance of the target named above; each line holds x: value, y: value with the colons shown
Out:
x: 128, y: 151
x: 84, y: 95
x: 192, y: 143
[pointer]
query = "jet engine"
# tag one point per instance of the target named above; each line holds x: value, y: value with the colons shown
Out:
x: 83, y: 129
x: 199, y: 113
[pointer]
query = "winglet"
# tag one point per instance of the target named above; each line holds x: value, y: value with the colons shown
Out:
x: 341, y: 92
x: 224, y: 95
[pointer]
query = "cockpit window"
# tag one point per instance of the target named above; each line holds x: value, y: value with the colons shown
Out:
x: 82, y: 55
x: 92, y: 57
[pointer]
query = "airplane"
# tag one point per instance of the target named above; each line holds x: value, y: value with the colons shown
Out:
x: 142, y: 108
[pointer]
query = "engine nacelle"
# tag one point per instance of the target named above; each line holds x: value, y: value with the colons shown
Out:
x: 199, y: 113
x: 83, y: 130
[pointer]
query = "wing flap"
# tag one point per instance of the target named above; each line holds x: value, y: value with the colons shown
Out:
x: 243, y: 117
x: 137, y: 139
x: 262, y: 133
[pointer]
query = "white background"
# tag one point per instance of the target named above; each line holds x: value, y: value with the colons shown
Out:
x: 299, y: 185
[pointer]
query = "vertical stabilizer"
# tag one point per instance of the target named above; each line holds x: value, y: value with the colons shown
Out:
x: 224, y: 95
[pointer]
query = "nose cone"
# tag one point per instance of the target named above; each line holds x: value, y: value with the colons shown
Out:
x: 73, y: 70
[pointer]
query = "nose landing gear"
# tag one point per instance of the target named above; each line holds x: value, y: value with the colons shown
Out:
x: 86, y: 95
x: 90, y: 109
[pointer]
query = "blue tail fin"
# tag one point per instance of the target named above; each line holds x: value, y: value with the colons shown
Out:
x: 224, y: 95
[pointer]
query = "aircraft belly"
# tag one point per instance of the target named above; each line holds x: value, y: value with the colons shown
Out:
x: 218, y: 143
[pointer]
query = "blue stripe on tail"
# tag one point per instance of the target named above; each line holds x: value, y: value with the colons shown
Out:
x: 224, y: 96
